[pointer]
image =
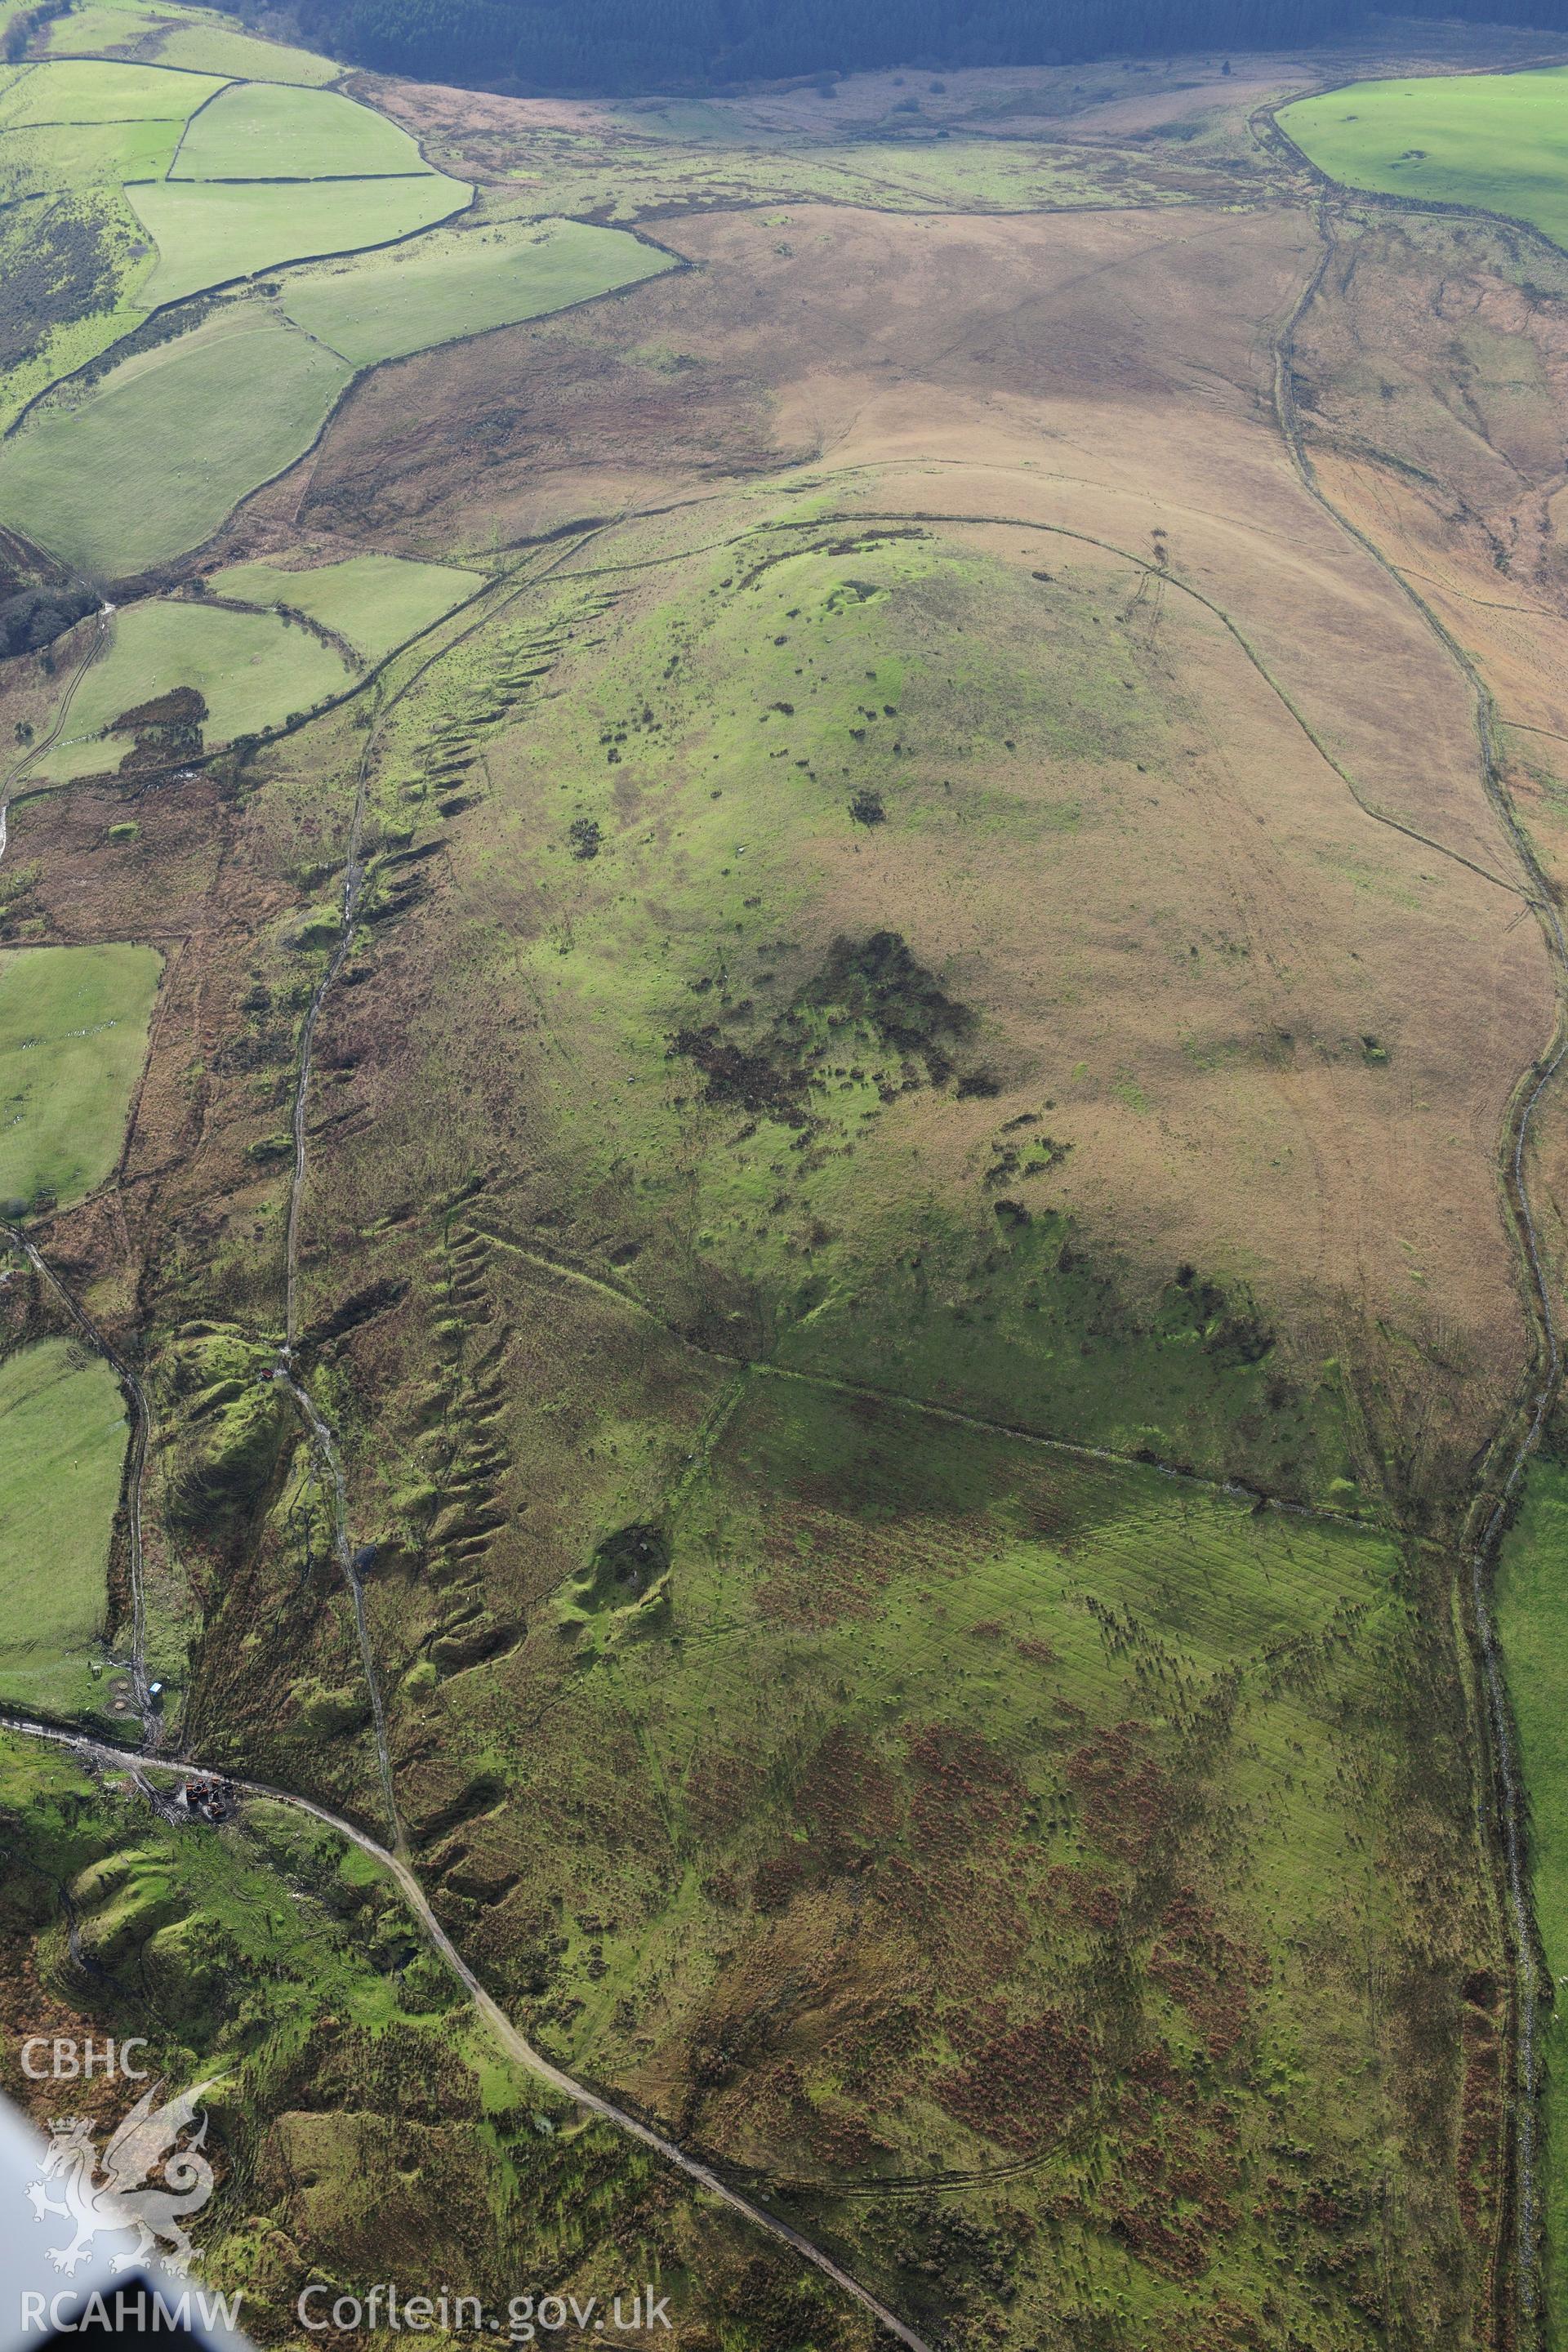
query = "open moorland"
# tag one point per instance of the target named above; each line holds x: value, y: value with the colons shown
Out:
x: 779, y: 962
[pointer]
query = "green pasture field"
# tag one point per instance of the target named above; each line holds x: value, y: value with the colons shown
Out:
x: 62, y: 1443
x: 73, y: 1035
x: 78, y: 156
x: 117, y: 132
x: 252, y: 669
x: 376, y: 601
x: 93, y: 91
x: 199, y: 40
x: 265, y: 131
x: 1532, y: 1624
x: 209, y: 233
x: 97, y: 28
x: 212, y: 44
x: 1497, y: 141
x: 157, y: 454
x: 463, y: 283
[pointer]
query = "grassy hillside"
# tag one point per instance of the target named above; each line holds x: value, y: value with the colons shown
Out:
x: 865, y: 1073
x: 820, y: 839
x: 933, y: 1807
x: 707, y: 1229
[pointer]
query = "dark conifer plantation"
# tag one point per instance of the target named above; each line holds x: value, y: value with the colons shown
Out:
x: 623, y: 45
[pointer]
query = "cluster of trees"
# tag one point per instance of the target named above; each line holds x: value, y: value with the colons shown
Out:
x: 627, y: 44
x: 36, y: 616
x: 21, y: 29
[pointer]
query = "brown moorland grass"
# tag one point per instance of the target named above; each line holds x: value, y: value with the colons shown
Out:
x: 1109, y: 376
